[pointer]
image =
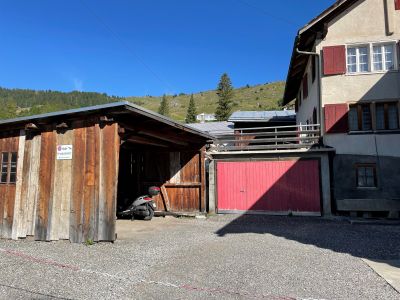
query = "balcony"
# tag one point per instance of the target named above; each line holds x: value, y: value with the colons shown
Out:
x: 267, y: 138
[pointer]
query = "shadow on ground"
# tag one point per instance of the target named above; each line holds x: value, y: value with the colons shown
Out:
x: 375, y: 242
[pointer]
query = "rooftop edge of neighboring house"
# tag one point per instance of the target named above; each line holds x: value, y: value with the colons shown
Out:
x: 214, y: 128
x: 263, y: 116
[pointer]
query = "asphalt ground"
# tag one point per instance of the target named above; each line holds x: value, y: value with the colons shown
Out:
x: 223, y: 257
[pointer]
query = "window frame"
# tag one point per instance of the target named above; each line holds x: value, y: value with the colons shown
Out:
x: 9, y: 165
x: 386, y: 121
x: 369, y: 46
x: 383, y: 59
x: 357, y: 47
x: 373, y: 117
x: 366, y: 165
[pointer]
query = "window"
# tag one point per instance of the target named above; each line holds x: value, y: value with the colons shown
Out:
x: 366, y: 122
x: 305, y: 86
x: 366, y: 175
x: 386, y: 117
x: 371, y: 57
x: 353, y: 118
x: 314, y: 116
x: 313, y: 66
x: 8, y: 167
x: 360, y: 117
x: 357, y: 59
x: 383, y: 57
x: 299, y: 97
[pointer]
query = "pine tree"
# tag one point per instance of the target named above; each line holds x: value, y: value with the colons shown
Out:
x: 225, y: 95
x: 191, y: 112
x: 164, y: 106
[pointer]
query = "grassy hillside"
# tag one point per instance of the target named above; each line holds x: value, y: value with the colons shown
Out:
x: 19, y: 102
x: 258, y: 97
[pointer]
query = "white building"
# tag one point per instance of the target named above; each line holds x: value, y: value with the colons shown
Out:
x: 344, y: 74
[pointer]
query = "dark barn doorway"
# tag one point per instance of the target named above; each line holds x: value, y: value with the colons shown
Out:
x: 170, y: 158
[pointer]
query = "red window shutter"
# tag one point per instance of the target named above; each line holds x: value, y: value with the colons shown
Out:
x: 305, y: 86
x: 336, y: 118
x: 334, y: 60
x: 397, y: 4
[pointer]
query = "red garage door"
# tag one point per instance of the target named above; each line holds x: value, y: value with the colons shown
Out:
x: 269, y: 186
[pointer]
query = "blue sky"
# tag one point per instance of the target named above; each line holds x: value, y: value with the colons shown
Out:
x: 130, y: 47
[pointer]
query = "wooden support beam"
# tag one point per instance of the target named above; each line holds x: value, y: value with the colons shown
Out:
x: 145, y: 141
x: 164, y: 137
x: 61, y: 126
x: 202, y: 170
x: 32, y: 127
x: 106, y: 120
x: 164, y: 195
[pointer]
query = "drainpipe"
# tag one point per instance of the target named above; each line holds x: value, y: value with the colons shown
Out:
x: 319, y: 88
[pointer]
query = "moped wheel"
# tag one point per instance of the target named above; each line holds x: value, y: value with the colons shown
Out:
x: 151, y: 214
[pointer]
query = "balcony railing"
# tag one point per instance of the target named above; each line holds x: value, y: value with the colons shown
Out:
x: 267, y: 138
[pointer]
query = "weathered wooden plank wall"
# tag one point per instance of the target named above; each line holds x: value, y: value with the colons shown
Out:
x: 62, y: 191
x: 109, y: 158
x: 29, y: 186
x: 78, y: 180
x: 46, y: 186
x: 62, y: 199
x: 181, y: 175
x: 94, y: 183
x: 18, y: 187
x: 8, y: 143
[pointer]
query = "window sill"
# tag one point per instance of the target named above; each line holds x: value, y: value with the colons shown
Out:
x: 371, y: 73
x: 373, y: 188
x: 394, y: 131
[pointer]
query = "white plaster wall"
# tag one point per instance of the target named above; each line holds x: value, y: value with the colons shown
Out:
x: 306, y: 108
x: 364, y: 144
x: 363, y: 23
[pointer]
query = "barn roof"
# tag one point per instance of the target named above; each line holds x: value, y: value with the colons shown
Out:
x: 305, y: 41
x: 214, y: 128
x: 115, y: 108
x: 262, y: 116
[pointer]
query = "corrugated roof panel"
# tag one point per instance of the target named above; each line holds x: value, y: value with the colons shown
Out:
x: 268, y: 115
x: 213, y: 127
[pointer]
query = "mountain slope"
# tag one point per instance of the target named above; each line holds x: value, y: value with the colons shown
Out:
x: 257, y: 97
x: 22, y: 102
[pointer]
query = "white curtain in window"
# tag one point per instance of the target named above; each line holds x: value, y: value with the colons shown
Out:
x: 377, y: 58
x: 351, y: 60
x: 363, y: 59
x: 389, y: 59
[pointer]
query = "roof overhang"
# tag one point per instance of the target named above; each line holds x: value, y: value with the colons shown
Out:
x: 124, y: 108
x: 305, y: 40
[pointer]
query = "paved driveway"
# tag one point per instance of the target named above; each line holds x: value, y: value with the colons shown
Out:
x: 223, y: 257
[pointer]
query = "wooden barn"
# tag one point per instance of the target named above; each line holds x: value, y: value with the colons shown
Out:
x: 64, y: 174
